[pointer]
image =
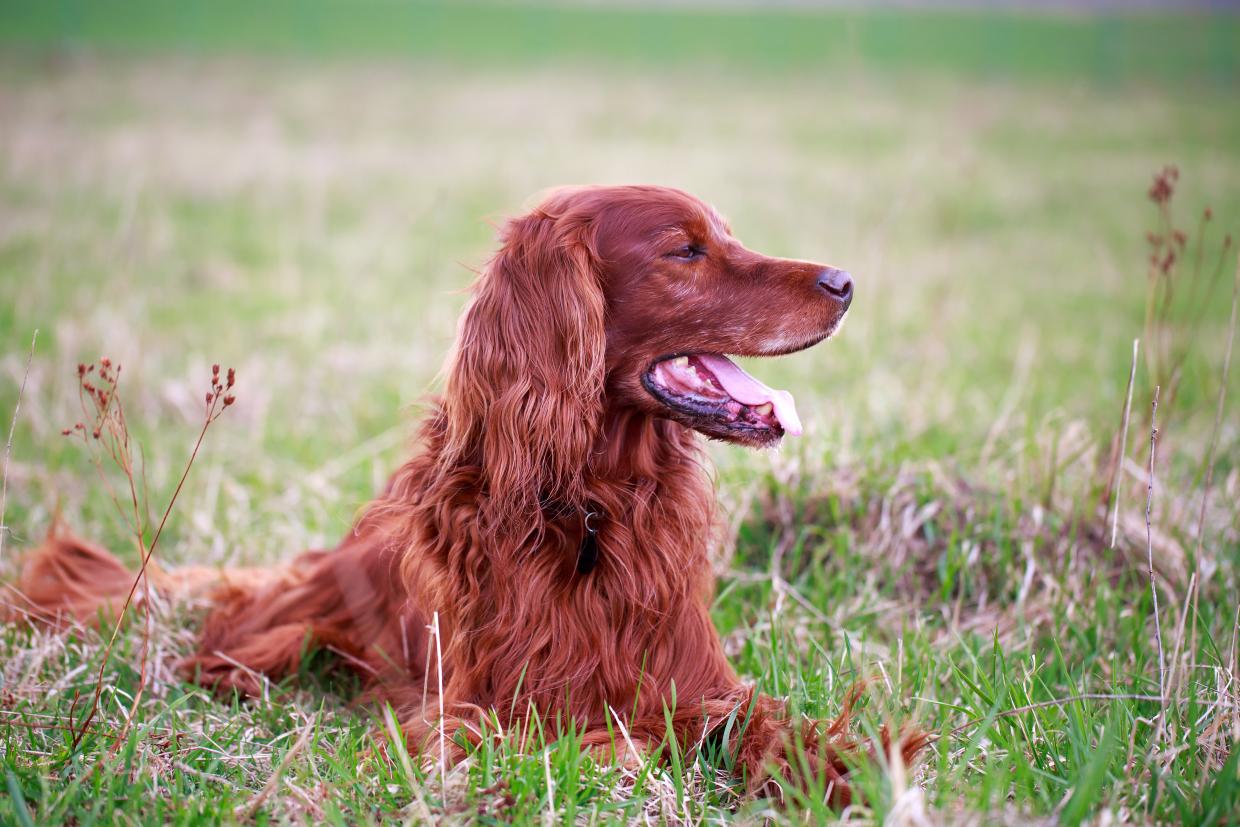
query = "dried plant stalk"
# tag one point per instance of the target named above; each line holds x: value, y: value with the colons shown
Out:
x: 8, y: 448
x: 108, y: 437
x: 1149, y: 548
x: 1117, y: 475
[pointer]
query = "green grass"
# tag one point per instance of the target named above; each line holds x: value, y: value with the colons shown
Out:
x: 171, y: 199
x: 1178, y: 47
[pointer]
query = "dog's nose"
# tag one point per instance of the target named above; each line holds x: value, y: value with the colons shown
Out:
x: 838, y: 284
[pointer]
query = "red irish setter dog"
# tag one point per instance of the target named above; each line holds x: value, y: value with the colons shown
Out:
x: 557, y: 512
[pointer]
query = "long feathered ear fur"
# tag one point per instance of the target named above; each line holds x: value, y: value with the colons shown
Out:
x: 524, y: 389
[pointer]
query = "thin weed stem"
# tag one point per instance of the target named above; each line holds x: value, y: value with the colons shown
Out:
x: 1149, y: 547
x: 1117, y: 475
x: 8, y: 448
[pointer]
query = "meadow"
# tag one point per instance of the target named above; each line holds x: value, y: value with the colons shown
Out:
x: 304, y: 194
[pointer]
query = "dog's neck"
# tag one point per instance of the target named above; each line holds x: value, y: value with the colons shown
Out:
x: 632, y: 445
x: 645, y: 477
x: 633, y: 457
x: 642, y: 465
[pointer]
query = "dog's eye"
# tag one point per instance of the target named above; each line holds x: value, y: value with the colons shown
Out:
x: 687, y: 252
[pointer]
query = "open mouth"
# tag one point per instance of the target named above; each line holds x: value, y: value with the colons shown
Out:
x: 721, y: 399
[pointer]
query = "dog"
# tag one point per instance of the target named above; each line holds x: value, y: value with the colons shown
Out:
x: 553, y: 524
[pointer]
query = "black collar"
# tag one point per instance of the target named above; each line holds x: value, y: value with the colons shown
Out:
x: 591, y: 520
x: 587, y: 553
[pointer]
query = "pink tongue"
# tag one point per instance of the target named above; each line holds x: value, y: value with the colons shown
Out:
x: 749, y: 391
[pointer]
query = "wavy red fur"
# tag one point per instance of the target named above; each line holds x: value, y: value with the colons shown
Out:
x: 544, y: 418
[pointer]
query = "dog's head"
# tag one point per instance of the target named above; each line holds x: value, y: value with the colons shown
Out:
x: 629, y: 297
x: 683, y: 295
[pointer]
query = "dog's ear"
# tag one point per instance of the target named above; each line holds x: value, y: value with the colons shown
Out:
x: 525, y: 385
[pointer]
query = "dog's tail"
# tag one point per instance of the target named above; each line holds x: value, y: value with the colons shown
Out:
x: 69, y: 581
x: 260, y: 622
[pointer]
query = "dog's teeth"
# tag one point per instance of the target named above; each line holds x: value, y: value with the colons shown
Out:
x: 680, y: 361
x: 765, y: 409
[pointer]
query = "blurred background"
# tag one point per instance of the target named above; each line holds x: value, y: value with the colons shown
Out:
x: 304, y: 190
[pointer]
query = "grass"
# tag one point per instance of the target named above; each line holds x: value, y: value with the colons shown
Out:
x: 173, y: 203
x: 1176, y: 47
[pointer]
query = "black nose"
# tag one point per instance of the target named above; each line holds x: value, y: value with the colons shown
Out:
x: 838, y: 284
